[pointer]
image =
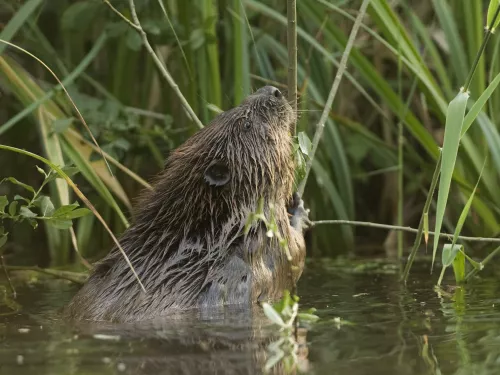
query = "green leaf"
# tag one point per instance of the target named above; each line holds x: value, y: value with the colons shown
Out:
x: 3, y: 202
x: 80, y: 16
x: 492, y: 9
x: 272, y: 314
x: 197, y: 38
x: 305, y: 317
x: 17, y: 197
x: 33, y: 223
x: 45, y: 204
x: 19, y: 183
x: 41, y: 171
x: 449, y: 254
x: 459, y: 267
x: 304, y: 143
x: 26, y: 212
x: 133, y: 40
x: 479, y: 104
x: 454, y: 120
x: 13, y: 208
x: 70, y: 170
x: 79, y: 212
x: 17, y: 21
x: 60, y: 223
x: 63, y: 211
x: 60, y: 125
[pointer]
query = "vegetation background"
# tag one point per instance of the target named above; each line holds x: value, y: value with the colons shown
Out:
x: 378, y: 152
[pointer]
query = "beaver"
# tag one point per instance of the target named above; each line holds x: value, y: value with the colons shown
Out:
x: 192, y: 244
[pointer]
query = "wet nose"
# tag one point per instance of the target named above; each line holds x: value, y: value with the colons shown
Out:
x: 269, y: 90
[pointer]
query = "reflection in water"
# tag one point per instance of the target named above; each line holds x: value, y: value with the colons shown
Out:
x: 390, y: 330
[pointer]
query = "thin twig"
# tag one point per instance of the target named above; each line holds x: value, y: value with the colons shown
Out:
x: 162, y: 68
x: 328, y: 106
x: 292, y: 56
x: 4, y: 266
x: 403, y: 229
x: 120, y: 15
x: 483, y: 263
x: 84, y: 261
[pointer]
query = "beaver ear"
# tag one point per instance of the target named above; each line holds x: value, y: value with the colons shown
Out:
x: 217, y: 173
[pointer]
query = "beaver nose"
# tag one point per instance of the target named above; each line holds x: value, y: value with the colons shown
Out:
x: 269, y: 90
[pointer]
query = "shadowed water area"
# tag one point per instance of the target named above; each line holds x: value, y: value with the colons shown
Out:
x: 386, y: 329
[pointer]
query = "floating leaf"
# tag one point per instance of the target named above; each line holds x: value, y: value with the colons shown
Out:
x: 26, y: 212
x: 272, y: 314
x: 311, y: 318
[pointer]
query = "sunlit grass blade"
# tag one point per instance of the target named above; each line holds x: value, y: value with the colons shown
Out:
x: 493, y: 8
x: 454, y: 120
x: 80, y: 157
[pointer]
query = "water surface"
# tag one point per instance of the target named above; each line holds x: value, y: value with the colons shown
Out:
x: 384, y: 328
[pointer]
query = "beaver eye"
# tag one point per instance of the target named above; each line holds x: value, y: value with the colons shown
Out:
x: 247, y: 125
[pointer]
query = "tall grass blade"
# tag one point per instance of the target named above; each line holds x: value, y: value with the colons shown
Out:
x: 479, y: 104
x: 454, y: 120
x: 492, y: 11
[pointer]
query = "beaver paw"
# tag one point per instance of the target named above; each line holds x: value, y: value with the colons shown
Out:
x: 299, y: 216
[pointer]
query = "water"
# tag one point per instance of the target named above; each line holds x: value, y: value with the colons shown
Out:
x: 384, y: 329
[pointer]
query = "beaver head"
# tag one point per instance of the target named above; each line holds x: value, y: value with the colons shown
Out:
x: 244, y: 154
x: 187, y: 244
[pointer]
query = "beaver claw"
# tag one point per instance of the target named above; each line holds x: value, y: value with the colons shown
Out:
x: 299, y: 216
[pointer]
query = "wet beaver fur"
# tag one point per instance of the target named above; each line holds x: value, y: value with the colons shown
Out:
x: 188, y: 244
